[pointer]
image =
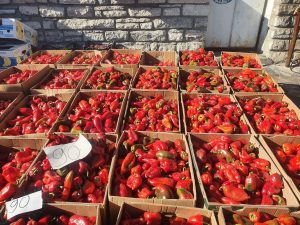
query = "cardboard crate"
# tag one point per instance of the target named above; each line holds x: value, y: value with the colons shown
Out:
x: 235, y: 70
x: 253, y: 55
x: 184, y: 73
x: 11, y: 53
x: 142, y: 69
x: 169, y: 95
x: 67, y: 97
x: 153, y: 58
x: 42, y: 70
x: 185, y: 95
x: 64, y: 54
x: 130, y: 71
x: 118, y: 200
x: 15, y: 97
x: 110, y: 53
x: 87, y: 94
x: 275, y: 97
x: 89, y: 53
x: 49, y: 76
x: 137, y: 210
x: 287, y: 192
x: 270, y: 143
x: 224, y: 212
x: 197, y: 66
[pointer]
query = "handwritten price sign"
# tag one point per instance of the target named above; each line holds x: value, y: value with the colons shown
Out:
x: 24, y: 204
x: 62, y: 155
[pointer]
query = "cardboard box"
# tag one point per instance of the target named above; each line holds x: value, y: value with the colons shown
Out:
x: 270, y: 143
x: 185, y: 96
x: 287, y: 192
x: 169, y: 95
x: 67, y: 97
x: 153, y: 58
x: 110, y: 53
x: 275, y: 97
x: 36, y: 89
x: 89, y: 53
x: 136, y: 210
x: 196, y: 67
x: 235, y: 70
x: 42, y: 70
x: 12, y: 54
x: 252, y: 55
x: 121, y: 151
x: 14, y: 29
x: 184, y: 73
x: 130, y: 71
x: 64, y: 54
x: 15, y: 97
x: 142, y: 69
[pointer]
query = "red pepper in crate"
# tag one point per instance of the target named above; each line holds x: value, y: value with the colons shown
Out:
x: 152, y: 168
x: 270, y: 117
x: 157, y: 78
x: 4, y: 105
x: 247, y: 80
x: 37, y: 116
x: 242, y: 179
x: 108, y: 79
x: 164, y: 63
x: 18, y: 77
x: 44, y: 58
x: 213, y: 114
x: 85, y: 58
x: 95, y: 114
x: 198, y: 58
x: 153, y: 114
x: 63, y: 79
x: 80, y: 181
x: 239, y: 61
x: 199, y: 79
x: 123, y: 58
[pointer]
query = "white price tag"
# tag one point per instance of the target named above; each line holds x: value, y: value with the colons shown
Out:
x: 62, y: 155
x: 24, y: 204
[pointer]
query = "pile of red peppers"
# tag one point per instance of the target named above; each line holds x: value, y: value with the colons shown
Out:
x: 85, y: 58
x: 81, y: 181
x: 271, y: 117
x: 18, y: 77
x: 198, y: 58
x: 123, y: 58
x: 4, y: 104
x: 233, y: 173
x: 152, y: 168
x: 209, y: 113
x: 239, y: 61
x: 152, y: 114
x: 247, y: 80
x: 97, y: 114
x: 157, y: 78
x: 44, y: 58
x: 37, y: 116
x: 108, y: 79
x: 164, y: 63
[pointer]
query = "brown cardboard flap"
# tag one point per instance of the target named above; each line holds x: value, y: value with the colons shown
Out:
x: 153, y: 58
x: 110, y: 53
x: 15, y: 97
x: 64, y: 53
x: 89, y: 53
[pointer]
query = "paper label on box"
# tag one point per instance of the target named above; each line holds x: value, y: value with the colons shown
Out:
x: 24, y: 204
x: 62, y: 155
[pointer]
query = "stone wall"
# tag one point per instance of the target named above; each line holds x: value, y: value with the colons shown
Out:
x: 280, y: 25
x: 144, y: 24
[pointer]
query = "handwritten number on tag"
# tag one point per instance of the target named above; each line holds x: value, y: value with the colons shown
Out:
x: 19, y: 203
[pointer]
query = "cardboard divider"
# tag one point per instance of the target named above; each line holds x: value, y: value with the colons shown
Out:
x: 15, y: 97
x: 270, y: 143
x: 236, y: 70
x: 253, y: 55
x: 42, y: 70
x: 36, y: 89
x: 203, y: 138
x: 143, y: 69
x: 64, y: 54
x: 153, y: 58
x: 168, y: 95
x: 197, y: 66
x: 118, y: 200
x: 130, y: 71
x: 137, y: 210
x: 184, y: 73
x: 110, y: 53
x: 89, y: 53
x: 185, y: 96
x: 67, y: 97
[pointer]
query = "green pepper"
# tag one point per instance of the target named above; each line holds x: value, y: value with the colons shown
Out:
x: 184, y: 194
x: 163, y: 192
x: 164, y: 154
x: 137, y: 146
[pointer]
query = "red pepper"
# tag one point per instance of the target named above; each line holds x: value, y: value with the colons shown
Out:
x: 134, y: 181
x: 67, y: 185
x: 76, y: 220
x: 161, y: 180
x: 234, y: 193
x: 186, y: 184
x: 152, y: 218
x: 128, y: 163
x: 88, y: 187
x: 7, y: 191
x: 195, y: 220
x: 168, y: 165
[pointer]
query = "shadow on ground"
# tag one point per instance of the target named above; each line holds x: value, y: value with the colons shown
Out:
x: 293, y: 92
